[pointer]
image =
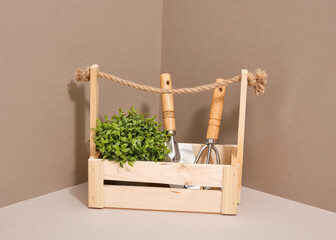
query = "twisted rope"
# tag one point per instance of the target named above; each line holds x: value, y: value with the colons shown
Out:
x: 256, y: 80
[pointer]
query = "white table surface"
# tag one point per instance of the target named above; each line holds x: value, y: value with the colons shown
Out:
x: 64, y: 215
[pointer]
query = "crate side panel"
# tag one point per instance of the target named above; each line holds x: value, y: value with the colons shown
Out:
x: 165, y: 199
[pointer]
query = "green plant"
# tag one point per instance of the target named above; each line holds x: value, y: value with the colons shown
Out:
x: 127, y: 138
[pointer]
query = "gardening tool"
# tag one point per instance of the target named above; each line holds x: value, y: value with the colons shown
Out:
x: 169, y: 117
x: 213, y: 124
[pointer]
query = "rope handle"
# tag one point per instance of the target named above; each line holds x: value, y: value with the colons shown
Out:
x: 256, y: 80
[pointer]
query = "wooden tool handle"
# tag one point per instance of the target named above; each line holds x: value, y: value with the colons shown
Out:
x: 216, y: 112
x: 167, y: 103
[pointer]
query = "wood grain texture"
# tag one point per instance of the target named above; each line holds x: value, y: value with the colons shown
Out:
x: 229, y: 191
x: 165, y: 172
x: 241, y: 127
x: 234, y: 161
x: 94, y: 106
x: 216, y: 112
x: 95, y: 183
x: 167, y: 102
x: 166, y: 199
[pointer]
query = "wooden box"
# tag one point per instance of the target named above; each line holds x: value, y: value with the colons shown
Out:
x: 147, y: 184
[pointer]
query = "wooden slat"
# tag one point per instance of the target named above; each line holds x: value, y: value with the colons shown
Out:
x: 229, y: 191
x: 94, y: 106
x: 164, y: 172
x: 95, y: 183
x: 224, y: 153
x: 241, y: 127
x: 165, y: 199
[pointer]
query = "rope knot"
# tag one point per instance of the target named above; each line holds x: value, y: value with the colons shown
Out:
x: 83, y: 75
x: 257, y: 80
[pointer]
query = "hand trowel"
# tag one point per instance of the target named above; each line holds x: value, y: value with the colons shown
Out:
x: 182, y: 152
x: 168, y: 113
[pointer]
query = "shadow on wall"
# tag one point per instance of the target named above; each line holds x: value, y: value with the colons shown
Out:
x: 228, y: 132
x: 81, y: 154
x: 144, y: 108
x: 229, y: 125
x: 198, y: 125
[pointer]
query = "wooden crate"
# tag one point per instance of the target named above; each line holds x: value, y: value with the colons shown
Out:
x: 148, y: 182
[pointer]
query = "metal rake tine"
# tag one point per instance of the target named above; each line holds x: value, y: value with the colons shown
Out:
x: 217, y: 155
x: 209, y: 154
x: 199, y: 154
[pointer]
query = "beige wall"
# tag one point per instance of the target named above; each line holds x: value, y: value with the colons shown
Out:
x: 44, y: 114
x: 290, y: 130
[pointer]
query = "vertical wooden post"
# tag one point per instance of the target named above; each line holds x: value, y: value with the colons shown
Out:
x: 95, y: 166
x: 94, y: 106
x: 96, y: 183
x: 241, y: 128
x: 234, y: 161
x: 229, y: 190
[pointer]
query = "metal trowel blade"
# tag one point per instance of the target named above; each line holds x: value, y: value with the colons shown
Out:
x: 187, y: 156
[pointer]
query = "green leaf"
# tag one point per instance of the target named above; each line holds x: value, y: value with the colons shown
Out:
x: 125, y: 149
